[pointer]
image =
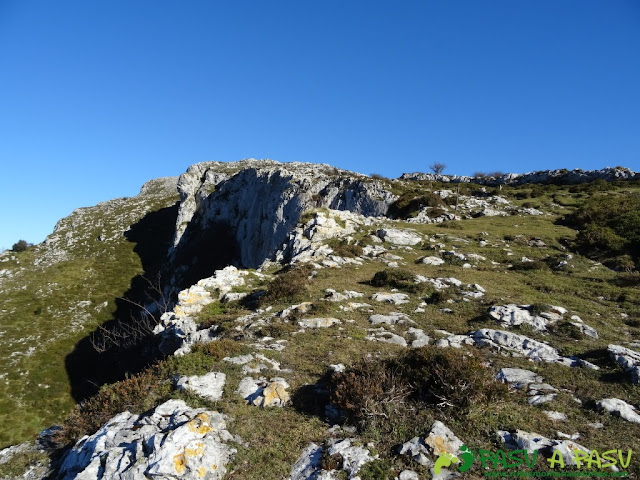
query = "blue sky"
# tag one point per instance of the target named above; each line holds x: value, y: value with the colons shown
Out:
x: 96, y: 97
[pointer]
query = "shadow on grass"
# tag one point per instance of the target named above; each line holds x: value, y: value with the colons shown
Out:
x: 87, y: 368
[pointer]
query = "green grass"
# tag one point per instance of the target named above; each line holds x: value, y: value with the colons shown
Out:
x: 277, y: 436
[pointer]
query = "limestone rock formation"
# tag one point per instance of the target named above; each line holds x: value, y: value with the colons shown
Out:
x: 173, y: 441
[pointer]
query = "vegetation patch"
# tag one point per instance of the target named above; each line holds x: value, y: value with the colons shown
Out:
x: 289, y: 285
x: 410, y: 203
x: 386, y: 391
x: 609, y: 228
x: 343, y: 248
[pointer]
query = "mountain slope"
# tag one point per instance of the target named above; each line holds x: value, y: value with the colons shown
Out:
x: 497, y: 289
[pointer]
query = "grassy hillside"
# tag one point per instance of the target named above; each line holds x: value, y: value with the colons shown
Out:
x: 54, y: 294
x: 518, y: 259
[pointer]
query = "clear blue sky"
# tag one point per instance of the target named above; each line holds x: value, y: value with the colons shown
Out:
x: 97, y: 97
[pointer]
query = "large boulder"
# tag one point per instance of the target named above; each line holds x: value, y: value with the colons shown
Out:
x: 172, y: 441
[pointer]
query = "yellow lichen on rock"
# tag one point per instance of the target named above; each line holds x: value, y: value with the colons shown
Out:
x: 200, y: 424
x: 195, y: 452
x: 275, y: 394
x: 179, y: 463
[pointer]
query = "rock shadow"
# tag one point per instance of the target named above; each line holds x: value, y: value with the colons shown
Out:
x: 88, y: 368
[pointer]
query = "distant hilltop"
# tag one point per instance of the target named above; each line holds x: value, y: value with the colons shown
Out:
x: 560, y: 176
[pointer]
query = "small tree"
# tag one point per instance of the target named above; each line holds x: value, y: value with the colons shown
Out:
x: 20, y: 246
x: 437, y: 168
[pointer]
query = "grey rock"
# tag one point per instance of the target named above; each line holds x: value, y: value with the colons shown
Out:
x: 420, y: 339
x: 318, y: 322
x: 621, y: 408
x: 628, y: 359
x: 536, y: 400
x: 517, y: 343
x: 431, y: 261
x: 208, y: 386
x: 518, y: 377
x: 555, y: 416
x: 511, y: 315
x: 308, y: 464
x: 381, y: 335
x: 417, y: 449
x: 392, y: 318
x: 408, y: 475
x: 174, y: 440
x: 393, y: 298
x: 399, y: 237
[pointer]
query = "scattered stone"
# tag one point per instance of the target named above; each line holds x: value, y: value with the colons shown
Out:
x: 393, y: 298
x: 170, y: 442
x: 518, y: 377
x: 208, y: 386
x: 621, y: 408
x: 253, y: 363
x: 300, y: 308
x: 233, y: 296
x: 264, y: 394
x: 536, y: 400
x: 420, y: 339
x: 418, y: 451
x: 338, y: 368
x: 353, y: 457
x: 333, y: 296
x: 454, y: 341
x: 536, y: 242
x: 511, y: 315
x: 555, y: 416
x: 399, y: 237
x: 516, y: 343
x: 408, y: 475
x: 586, y: 329
x: 424, y: 450
x: 628, y: 359
x: 308, y: 464
x: 318, y: 322
x: 531, y: 442
x: 431, y: 261
x: 392, y: 318
x: 381, y: 335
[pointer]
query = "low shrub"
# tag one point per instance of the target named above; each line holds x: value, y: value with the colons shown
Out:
x: 397, y: 278
x: 289, y: 285
x: 410, y: 203
x: 343, y: 248
x: 135, y: 394
x: 537, y: 265
x: 20, y: 246
x: 449, y: 380
x: 221, y: 348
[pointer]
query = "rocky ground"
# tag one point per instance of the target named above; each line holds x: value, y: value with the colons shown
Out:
x: 364, y: 346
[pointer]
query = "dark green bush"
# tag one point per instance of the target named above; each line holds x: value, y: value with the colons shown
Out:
x: 397, y: 278
x: 449, y: 380
x: 343, y: 248
x: 410, y: 203
x: 289, y: 285
x: 20, y: 246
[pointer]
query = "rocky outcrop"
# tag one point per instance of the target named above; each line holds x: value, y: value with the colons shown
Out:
x: 173, y: 441
x: 621, y: 408
x: 253, y: 205
x: 627, y: 359
x: 561, y: 176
